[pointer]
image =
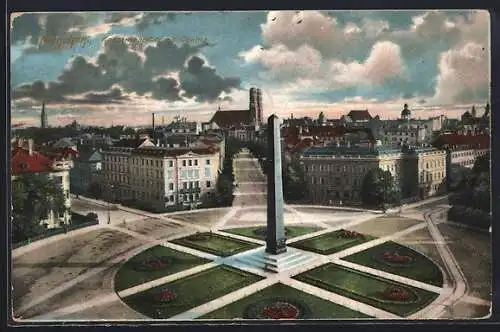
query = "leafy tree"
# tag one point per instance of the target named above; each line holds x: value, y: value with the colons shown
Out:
x: 225, y: 189
x: 95, y: 190
x: 482, y: 164
x: 293, y: 183
x: 379, y: 188
x: 34, y: 195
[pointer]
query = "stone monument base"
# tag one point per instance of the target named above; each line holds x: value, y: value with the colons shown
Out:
x: 288, y: 260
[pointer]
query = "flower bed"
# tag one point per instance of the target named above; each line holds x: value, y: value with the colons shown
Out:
x: 395, y: 293
x: 348, y: 234
x: 153, y: 263
x: 394, y: 259
x: 165, y: 296
x: 277, y: 308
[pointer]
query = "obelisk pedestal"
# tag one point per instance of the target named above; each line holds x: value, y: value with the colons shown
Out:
x: 275, y: 240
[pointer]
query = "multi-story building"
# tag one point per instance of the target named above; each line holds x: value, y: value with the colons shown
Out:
x: 161, y: 176
x: 87, y: 170
x: 27, y: 160
x: 166, y: 177
x: 336, y: 173
x: 115, y: 167
x: 426, y: 167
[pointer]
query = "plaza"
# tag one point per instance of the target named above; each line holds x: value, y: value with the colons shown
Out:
x: 187, y: 266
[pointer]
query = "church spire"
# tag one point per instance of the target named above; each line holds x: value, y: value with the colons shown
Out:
x: 43, y: 117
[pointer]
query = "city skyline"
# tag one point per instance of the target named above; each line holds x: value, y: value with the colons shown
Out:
x: 305, y: 62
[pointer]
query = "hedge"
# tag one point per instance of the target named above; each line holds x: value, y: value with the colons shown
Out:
x: 469, y: 216
x: 59, y: 230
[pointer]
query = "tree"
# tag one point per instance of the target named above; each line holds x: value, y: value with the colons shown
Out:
x: 225, y: 189
x: 293, y: 183
x: 379, y: 188
x: 482, y: 164
x: 95, y: 190
x: 34, y: 195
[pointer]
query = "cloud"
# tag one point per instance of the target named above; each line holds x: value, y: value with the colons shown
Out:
x: 464, y: 75
x: 383, y: 62
x: 306, y: 66
x: 124, y: 63
x: 51, y: 32
x: 114, y: 95
x: 285, y: 64
x: 147, y: 19
x: 203, y: 83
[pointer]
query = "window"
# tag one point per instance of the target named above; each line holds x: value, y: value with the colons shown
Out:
x: 209, y: 184
x: 184, y: 185
x: 170, y: 186
x: 197, y: 184
x: 312, y: 180
x: 171, y: 198
x: 207, y: 172
x: 170, y: 163
x: 207, y: 162
x: 190, y: 162
x: 196, y: 162
x: 183, y: 163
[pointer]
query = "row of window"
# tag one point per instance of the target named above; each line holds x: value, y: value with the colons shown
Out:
x: 336, y: 181
x: 463, y: 153
x: 437, y: 176
x: 153, y: 162
x: 331, y: 168
x: 434, y: 163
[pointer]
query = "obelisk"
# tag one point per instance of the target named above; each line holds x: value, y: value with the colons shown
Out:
x: 275, y: 241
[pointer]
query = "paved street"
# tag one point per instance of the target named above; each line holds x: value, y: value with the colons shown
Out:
x: 251, y: 185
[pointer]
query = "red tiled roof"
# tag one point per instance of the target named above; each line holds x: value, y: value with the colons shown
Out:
x: 359, y: 115
x: 228, y: 119
x: 474, y: 141
x: 23, y: 162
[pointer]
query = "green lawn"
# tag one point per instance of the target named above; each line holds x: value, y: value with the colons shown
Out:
x: 215, y: 244
x: 421, y: 268
x: 291, y: 231
x: 191, y: 291
x: 316, y: 308
x: 327, y: 244
x: 365, y: 288
x: 128, y: 275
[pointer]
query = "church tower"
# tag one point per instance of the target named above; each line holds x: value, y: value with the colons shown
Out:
x: 255, y: 108
x: 406, y: 113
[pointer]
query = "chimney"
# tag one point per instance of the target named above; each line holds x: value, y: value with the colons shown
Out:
x: 30, y: 147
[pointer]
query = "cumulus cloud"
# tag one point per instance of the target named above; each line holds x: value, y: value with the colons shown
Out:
x: 464, y: 75
x: 383, y: 62
x: 306, y: 65
x: 202, y: 82
x: 285, y: 64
